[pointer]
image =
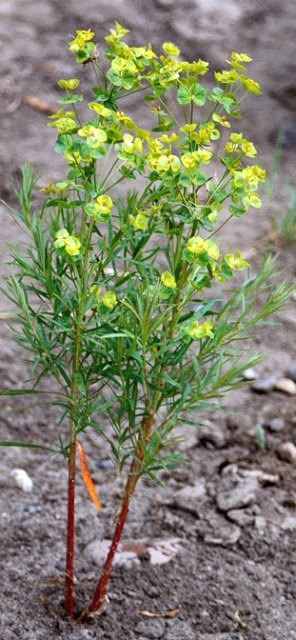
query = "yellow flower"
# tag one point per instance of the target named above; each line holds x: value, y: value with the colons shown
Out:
x: 237, y: 60
x: 131, y: 144
x: 196, y: 245
x: 91, y: 131
x: 102, y: 111
x: 104, y: 204
x: 70, y: 84
x: 95, y: 137
x: 190, y: 159
x: 170, y: 49
x: 81, y: 39
x: 60, y: 238
x: 70, y: 243
x: 252, y: 200
x: 188, y: 128
x: 64, y: 125
x: 250, y: 85
x: 95, y: 290
x: 72, y: 246
x: 140, y: 221
x: 211, y: 249
x: 116, y: 34
x: 109, y: 299
x: 249, y: 149
x: 199, y: 67
x: 204, y: 156
x: 198, y: 331
x: 165, y: 163
x: 222, y: 120
x: 237, y: 263
x: 168, y: 280
x: 227, y: 77
x: 100, y: 209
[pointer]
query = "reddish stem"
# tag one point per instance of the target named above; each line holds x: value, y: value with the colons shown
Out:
x: 69, y: 577
x: 100, y: 597
x: 100, y: 600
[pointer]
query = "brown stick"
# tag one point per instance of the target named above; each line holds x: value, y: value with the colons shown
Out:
x: 69, y: 577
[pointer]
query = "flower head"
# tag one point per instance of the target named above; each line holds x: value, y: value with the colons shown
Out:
x: 71, y: 244
x: 109, y: 299
x: 198, y: 331
x: 168, y: 280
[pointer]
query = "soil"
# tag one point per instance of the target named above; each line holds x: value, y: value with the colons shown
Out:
x: 226, y: 583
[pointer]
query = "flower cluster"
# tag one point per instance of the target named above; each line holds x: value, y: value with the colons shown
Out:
x: 64, y: 240
x: 175, y: 158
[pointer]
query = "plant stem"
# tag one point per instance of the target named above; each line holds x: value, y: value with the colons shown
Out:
x: 100, y: 598
x: 69, y: 578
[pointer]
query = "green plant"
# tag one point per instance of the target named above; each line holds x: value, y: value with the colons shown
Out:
x: 288, y: 223
x: 111, y: 289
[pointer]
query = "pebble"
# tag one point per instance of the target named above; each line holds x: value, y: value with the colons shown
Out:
x: 190, y: 498
x: 150, y: 628
x: 227, y: 535
x: 265, y: 384
x: 287, y: 451
x: 292, y: 374
x: 129, y: 554
x: 289, y: 523
x: 105, y: 464
x: 33, y: 509
x: 262, y: 477
x: 22, y: 480
x: 286, y: 385
x: 236, y: 492
x: 240, y: 517
x: 274, y: 424
x: 260, y: 524
x: 179, y: 630
x: 250, y: 374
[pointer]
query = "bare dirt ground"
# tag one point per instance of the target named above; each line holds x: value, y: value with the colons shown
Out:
x: 234, y: 575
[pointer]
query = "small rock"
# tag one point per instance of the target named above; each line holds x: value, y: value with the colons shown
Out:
x: 129, y: 554
x: 265, y: 384
x: 105, y: 464
x: 274, y: 424
x: 262, y: 477
x: 289, y: 523
x: 292, y: 374
x: 97, y: 552
x: 190, y: 498
x: 260, y: 523
x: 151, y: 628
x: 227, y: 535
x: 33, y: 509
x: 236, y: 492
x: 286, y: 385
x: 240, y: 517
x: 179, y: 630
x: 250, y: 374
x: 287, y: 451
x: 162, y: 551
x: 22, y: 480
